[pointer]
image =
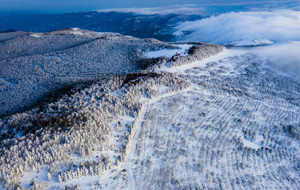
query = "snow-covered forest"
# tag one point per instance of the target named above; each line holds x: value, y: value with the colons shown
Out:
x: 206, y: 117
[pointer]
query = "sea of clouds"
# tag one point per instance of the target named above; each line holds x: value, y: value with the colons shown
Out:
x: 190, y: 9
x: 276, y: 26
x: 279, y: 26
x: 284, y: 57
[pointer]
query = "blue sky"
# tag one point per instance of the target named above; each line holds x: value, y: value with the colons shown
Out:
x: 60, y: 6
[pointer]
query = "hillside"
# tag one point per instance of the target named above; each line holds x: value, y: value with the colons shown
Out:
x: 157, y: 26
x: 35, y: 65
x: 203, y: 117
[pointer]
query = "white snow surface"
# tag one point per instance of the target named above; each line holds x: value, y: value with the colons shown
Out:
x: 35, y: 35
x: 251, y: 144
x: 226, y: 53
x: 182, y: 51
x: 227, y: 130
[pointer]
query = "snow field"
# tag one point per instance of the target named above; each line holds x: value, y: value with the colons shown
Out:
x: 226, y: 122
x: 87, y: 134
x: 237, y: 128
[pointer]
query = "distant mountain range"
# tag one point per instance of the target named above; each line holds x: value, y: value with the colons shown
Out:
x: 141, y: 26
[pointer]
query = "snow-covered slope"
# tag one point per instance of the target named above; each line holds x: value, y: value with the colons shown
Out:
x: 215, y: 118
x: 33, y: 67
x: 139, y: 25
x: 236, y: 127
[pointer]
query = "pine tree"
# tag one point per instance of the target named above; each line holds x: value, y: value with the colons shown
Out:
x: 49, y: 176
x: 59, y: 178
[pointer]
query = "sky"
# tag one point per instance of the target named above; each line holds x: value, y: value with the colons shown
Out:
x: 65, y: 6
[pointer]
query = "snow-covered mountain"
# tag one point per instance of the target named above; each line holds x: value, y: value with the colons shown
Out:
x: 35, y: 65
x: 157, y: 26
x: 135, y: 114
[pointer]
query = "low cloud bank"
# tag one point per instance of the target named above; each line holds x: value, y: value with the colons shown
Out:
x: 175, y: 9
x: 285, y: 57
x: 282, y: 27
x: 277, y: 26
x: 210, y: 8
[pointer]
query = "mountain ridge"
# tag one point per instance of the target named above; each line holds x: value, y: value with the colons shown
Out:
x: 141, y: 26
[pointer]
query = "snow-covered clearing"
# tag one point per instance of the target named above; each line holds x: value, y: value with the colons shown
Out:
x: 211, y: 137
x: 35, y: 35
x: 228, y: 122
x: 225, y: 54
x: 251, y: 145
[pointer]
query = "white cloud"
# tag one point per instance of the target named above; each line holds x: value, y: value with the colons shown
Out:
x: 175, y: 9
x: 276, y: 26
x: 211, y: 8
x: 283, y: 56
